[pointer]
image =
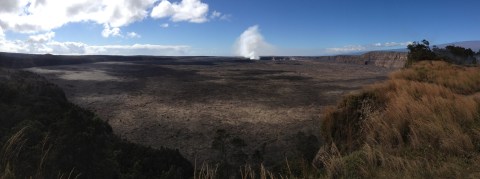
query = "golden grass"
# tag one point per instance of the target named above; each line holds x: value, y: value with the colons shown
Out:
x: 423, y: 122
x: 460, y: 79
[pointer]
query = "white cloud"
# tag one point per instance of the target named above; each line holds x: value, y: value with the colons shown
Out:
x: 133, y: 35
x: 347, y: 49
x: 43, y: 46
x: 108, y: 31
x: 41, y: 38
x: 162, y: 10
x: 67, y: 48
x: 219, y: 15
x: 164, y: 25
x: 29, y: 16
x: 33, y: 16
x: 2, y: 34
x: 392, y: 44
x: 215, y: 14
x: 251, y: 44
x: 187, y: 10
x: 396, y: 44
x: 8, y: 5
x: 139, y: 49
x: 370, y: 47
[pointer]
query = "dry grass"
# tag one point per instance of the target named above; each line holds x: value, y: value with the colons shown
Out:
x: 423, y: 122
x: 10, y: 152
x: 205, y: 172
x: 14, y: 146
x: 302, y: 170
x: 460, y: 79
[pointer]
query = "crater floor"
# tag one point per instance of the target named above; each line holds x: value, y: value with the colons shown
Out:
x: 181, y: 102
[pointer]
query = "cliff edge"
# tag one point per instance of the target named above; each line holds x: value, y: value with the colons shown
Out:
x: 377, y: 58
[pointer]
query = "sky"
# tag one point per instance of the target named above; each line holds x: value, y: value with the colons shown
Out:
x: 231, y: 27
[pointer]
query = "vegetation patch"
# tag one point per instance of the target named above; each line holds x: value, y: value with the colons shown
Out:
x: 44, y: 136
x: 423, y: 122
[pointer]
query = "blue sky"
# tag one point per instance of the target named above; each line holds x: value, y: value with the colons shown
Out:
x: 213, y: 27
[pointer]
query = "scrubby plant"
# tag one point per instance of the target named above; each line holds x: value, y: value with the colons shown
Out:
x: 419, y: 51
x: 423, y: 122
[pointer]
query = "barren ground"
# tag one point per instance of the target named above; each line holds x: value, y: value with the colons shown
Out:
x: 181, y: 102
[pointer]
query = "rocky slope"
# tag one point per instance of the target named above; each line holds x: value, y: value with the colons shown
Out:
x: 376, y: 58
x: 43, y: 135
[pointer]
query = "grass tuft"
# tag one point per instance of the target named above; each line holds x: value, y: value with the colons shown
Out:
x: 423, y: 122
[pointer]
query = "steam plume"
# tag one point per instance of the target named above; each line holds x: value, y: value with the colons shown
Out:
x: 251, y: 44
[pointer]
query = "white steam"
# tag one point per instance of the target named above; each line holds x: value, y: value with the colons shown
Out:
x: 251, y: 44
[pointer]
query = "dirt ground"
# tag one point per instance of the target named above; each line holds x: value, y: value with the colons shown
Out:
x: 181, y: 102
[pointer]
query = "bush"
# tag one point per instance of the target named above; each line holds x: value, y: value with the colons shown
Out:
x: 419, y: 51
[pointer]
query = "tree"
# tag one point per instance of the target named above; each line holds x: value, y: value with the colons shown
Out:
x: 478, y: 54
x: 460, y: 51
x: 419, y: 51
x: 456, y: 54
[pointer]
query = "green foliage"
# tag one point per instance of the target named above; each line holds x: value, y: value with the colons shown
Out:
x: 457, y: 55
x: 419, y: 51
x: 460, y: 51
x: 54, y: 137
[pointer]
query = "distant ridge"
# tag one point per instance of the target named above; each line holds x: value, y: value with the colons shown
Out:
x: 474, y: 44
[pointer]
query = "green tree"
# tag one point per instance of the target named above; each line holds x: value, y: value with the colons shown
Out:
x: 419, y: 51
x: 456, y: 54
x: 460, y: 51
x: 475, y: 59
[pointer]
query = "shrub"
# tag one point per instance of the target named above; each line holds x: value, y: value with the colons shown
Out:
x: 419, y: 51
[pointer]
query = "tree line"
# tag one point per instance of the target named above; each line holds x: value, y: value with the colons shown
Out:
x: 420, y: 51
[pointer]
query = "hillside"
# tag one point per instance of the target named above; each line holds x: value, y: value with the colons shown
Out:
x: 424, y: 122
x: 43, y: 135
x: 19, y: 60
x: 473, y: 44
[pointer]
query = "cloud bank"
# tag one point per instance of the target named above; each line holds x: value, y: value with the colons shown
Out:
x: 368, y: 47
x: 251, y: 44
x: 33, y: 16
x: 41, y: 38
x: 44, y: 43
x: 39, y: 18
